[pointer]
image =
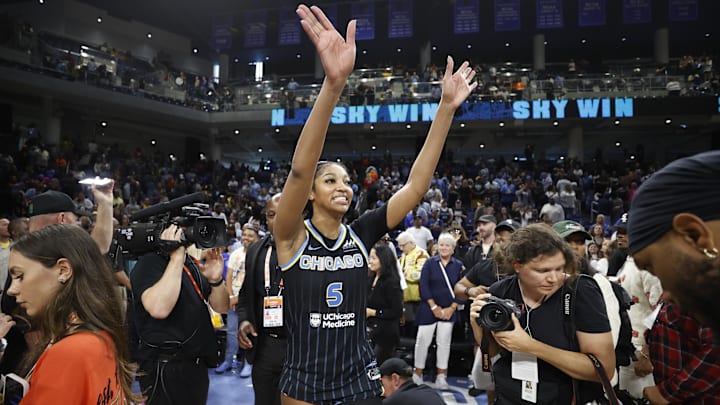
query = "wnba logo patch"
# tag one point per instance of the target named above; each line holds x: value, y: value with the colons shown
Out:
x: 315, y: 320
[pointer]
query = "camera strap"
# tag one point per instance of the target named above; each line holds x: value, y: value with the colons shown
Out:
x: 194, y: 283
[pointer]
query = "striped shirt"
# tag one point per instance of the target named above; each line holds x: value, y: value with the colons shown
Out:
x: 329, y: 358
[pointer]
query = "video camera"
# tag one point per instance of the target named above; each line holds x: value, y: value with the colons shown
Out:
x: 143, y: 235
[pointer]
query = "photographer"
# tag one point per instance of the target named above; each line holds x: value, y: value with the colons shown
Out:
x: 173, y: 299
x: 539, y: 360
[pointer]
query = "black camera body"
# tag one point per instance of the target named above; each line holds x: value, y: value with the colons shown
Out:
x: 144, y: 237
x: 497, y: 314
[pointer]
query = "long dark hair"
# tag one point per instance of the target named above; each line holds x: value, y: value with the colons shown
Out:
x: 90, y: 294
x: 388, y: 263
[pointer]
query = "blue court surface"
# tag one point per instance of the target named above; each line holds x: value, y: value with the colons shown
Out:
x: 230, y: 389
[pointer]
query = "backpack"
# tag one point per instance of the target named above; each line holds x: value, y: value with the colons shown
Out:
x: 624, y: 349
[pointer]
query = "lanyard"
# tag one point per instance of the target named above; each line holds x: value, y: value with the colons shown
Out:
x: 267, y: 273
x: 192, y: 280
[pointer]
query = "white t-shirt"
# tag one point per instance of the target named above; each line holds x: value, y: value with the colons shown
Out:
x: 421, y: 235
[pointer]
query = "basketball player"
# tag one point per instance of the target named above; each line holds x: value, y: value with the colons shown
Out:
x: 324, y: 262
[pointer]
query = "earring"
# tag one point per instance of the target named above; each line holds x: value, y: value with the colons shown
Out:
x: 711, y: 254
x: 62, y: 280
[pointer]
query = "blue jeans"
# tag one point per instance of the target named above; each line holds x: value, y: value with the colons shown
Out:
x: 231, y: 346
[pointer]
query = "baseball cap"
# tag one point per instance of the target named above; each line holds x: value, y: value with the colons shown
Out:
x: 621, y: 224
x: 51, y: 202
x: 396, y: 366
x: 567, y: 228
x: 487, y: 218
x: 508, y: 225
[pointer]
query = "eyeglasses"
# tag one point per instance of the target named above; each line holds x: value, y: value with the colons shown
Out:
x: 458, y: 231
x: 386, y: 240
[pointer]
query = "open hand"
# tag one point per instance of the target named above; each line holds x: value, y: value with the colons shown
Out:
x: 213, y: 268
x: 456, y: 87
x: 336, y: 53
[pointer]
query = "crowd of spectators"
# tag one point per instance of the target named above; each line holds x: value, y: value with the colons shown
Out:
x: 459, y: 192
x: 382, y: 84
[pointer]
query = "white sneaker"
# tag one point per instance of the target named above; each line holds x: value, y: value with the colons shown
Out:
x: 417, y: 379
x: 441, y: 382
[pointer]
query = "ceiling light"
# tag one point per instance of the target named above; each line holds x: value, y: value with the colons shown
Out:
x: 149, y: 34
x: 668, y: 121
x: 616, y: 122
x: 373, y: 147
x: 195, y: 50
x: 99, y: 20
x: 501, y: 124
x: 260, y: 149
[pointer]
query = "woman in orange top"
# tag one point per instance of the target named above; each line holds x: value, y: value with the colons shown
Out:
x: 64, y: 283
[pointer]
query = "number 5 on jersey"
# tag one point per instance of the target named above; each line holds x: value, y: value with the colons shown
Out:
x: 333, y: 295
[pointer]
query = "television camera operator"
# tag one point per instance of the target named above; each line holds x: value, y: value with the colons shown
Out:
x: 175, y: 298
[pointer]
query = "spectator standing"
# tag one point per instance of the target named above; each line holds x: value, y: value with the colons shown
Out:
x: 437, y: 312
x: 411, y: 262
x: 234, y: 280
x: 385, y: 301
x: 264, y: 338
x: 421, y: 235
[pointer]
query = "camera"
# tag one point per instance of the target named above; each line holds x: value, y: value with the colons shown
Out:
x: 497, y: 314
x: 186, y: 212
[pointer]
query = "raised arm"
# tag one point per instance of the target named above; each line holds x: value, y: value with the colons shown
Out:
x: 102, y: 233
x: 455, y: 89
x: 338, y: 59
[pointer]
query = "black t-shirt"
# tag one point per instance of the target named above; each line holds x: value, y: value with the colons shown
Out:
x: 187, y: 331
x: 484, y: 273
x: 482, y: 268
x: 546, y: 325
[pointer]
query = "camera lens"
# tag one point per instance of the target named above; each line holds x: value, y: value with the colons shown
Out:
x: 495, y: 315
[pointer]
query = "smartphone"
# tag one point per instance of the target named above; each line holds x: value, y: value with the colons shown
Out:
x: 97, y: 181
x: 14, y: 388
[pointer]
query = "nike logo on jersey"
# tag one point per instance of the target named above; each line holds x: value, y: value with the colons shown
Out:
x: 314, y: 247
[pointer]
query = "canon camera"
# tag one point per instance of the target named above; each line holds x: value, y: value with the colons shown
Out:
x: 497, y: 314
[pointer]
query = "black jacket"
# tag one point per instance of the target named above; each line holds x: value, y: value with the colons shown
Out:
x: 250, y: 298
